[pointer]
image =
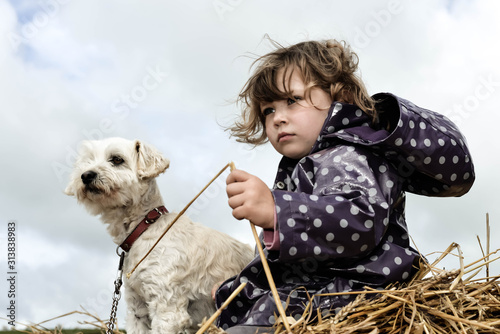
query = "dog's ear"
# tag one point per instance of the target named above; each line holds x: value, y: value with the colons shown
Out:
x: 150, y: 162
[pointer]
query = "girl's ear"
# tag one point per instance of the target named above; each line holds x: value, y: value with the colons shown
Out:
x: 150, y: 162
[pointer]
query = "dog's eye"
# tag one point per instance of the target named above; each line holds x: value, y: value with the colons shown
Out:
x: 117, y: 161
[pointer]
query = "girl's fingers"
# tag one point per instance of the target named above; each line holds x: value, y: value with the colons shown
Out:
x: 237, y: 175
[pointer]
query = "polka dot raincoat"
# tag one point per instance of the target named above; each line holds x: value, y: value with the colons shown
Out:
x: 340, y: 210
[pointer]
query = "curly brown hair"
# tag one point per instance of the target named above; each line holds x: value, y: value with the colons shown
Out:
x: 329, y: 65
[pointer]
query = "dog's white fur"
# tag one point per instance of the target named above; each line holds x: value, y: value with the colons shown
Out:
x: 170, y: 292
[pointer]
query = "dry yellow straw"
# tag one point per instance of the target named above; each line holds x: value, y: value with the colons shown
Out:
x: 219, y: 311
x: 269, y: 276
x: 177, y: 217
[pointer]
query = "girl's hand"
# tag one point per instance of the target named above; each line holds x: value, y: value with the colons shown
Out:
x: 250, y: 198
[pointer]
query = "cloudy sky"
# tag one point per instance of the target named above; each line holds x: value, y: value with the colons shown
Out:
x: 167, y: 72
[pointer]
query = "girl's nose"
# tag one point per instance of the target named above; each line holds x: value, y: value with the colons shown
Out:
x: 280, y: 114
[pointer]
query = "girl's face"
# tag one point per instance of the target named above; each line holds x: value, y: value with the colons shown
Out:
x: 293, y: 125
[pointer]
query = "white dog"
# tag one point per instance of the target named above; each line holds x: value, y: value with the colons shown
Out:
x: 170, y: 292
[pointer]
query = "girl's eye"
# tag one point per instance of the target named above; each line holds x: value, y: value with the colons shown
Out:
x: 292, y: 101
x: 267, y: 111
x: 117, y: 161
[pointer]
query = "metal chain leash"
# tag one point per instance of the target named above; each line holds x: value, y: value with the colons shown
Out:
x: 116, y: 296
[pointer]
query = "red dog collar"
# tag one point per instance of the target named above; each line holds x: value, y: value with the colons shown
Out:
x: 150, y: 218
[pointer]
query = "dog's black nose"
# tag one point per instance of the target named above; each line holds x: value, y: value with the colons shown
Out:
x: 88, y: 177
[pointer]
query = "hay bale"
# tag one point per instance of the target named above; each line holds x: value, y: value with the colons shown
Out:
x: 436, y: 301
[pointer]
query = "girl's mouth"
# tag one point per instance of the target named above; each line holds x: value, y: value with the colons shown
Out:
x: 283, y: 136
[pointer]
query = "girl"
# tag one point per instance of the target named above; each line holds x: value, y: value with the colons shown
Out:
x: 334, y: 220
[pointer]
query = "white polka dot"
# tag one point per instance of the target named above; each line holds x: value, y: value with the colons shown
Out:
x: 329, y: 209
x: 386, y: 247
x: 243, y: 279
x: 291, y: 222
x: 384, y: 205
x: 254, y: 270
x: 282, y: 237
x: 362, y: 158
x: 292, y: 251
x: 339, y: 198
x: 466, y: 176
x: 361, y: 178
x: 405, y: 275
x: 355, y: 237
x: 317, y: 222
x: 340, y: 249
x: 389, y: 184
x: 337, y: 158
x: 410, y: 158
x: 303, y: 208
x: 427, y: 160
x: 411, y: 124
x: 363, y: 248
x: 314, y: 197
x: 422, y: 125
x: 372, y: 192
x: 262, y: 307
x: 439, y: 176
x: 336, y: 178
x: 408, y: 252
x: 369, y: 224
x: 343, y: 223
x: 346, y: 188
x: 397, y: 260
x: 427, y: 142
x: 360, y: 268
x: 453, y: 177
x: 386, y: 271
x: 398, y: 142
x: 330, y: 237
x: 287, y: 197
x: 382, y: 169
x: 271, y: 319
x: 345, y: 121
x: 358, y: 113
x: 354, y: 210
x: 390, y: 238
x: 349, y: 168
x: 442, y: 160
x: 385, y: 221
x: 304, y: 236
x: 234, y: 319
x: 413, y: 142
x: 453, y: 142
x: 310, y: 175
x: 455, y: 159
x: 373, y: 258
x: 324, y: 171
x: 350, y: 149
x: 317, y: 250
x: 441, y: 142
